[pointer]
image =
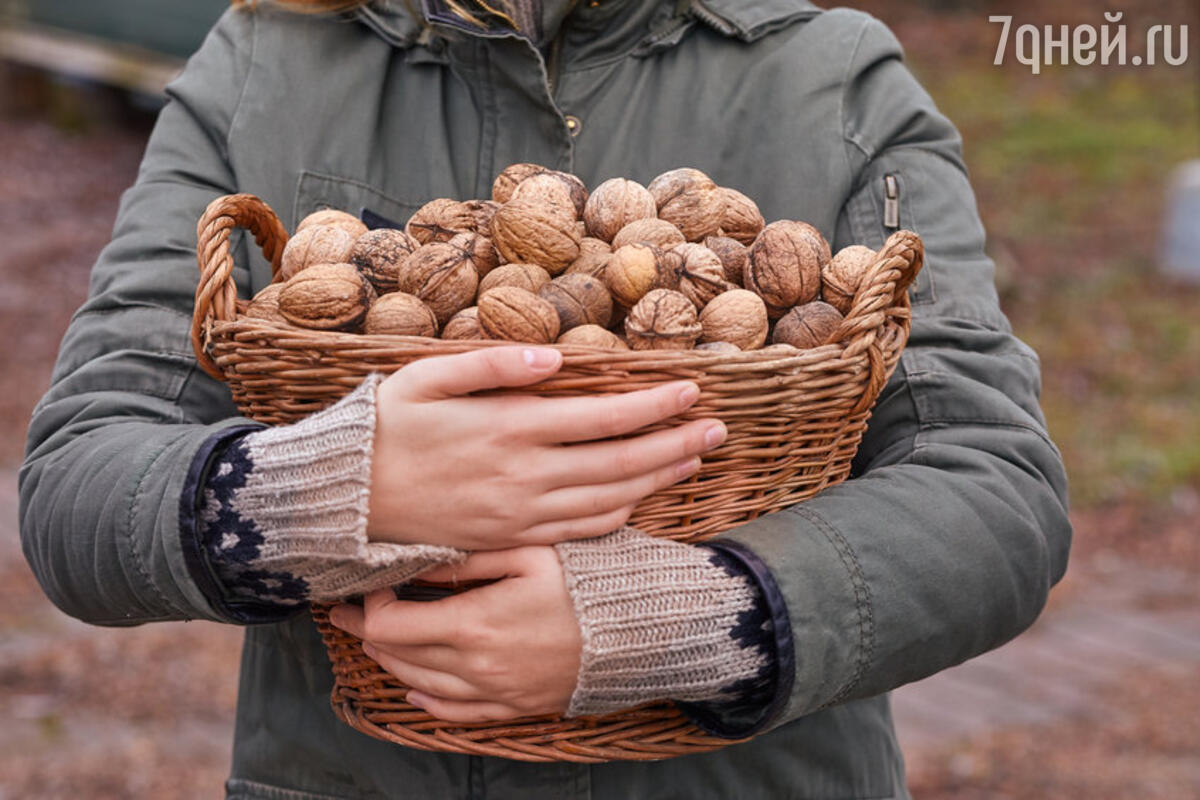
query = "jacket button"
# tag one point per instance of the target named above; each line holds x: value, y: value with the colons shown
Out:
x: 573, y: 125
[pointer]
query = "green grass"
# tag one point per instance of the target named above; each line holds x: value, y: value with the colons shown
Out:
x: 1071, y: 169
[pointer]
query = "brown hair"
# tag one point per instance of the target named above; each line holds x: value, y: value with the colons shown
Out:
x: 467, y: 10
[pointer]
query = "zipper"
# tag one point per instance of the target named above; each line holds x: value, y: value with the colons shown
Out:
x: 554, y: 60
x: 891, y: 202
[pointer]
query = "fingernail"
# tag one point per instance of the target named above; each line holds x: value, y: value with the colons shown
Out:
x: 414, y: 699
x: 689, y: 394
x: 369, y: 649
x: 685, y: 468
x: 541, y: 358
x: 714, y: 435
x: 335, y: 616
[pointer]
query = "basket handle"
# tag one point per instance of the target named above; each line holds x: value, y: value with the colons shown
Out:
x: 883, y: 292
x: 216, y: 294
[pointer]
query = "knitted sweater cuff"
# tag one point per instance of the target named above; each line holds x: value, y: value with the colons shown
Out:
x: 285, y: 511
x: 661, y: 620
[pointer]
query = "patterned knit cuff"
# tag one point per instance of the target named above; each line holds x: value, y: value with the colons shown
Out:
x: 284, y: 518
x: 662, y: 620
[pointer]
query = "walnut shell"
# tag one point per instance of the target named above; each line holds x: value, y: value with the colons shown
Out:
x: 718, y: 347
x: 481, y: 212
x: 440, y: 220
x: 380, y: 254
x: 579, y: 300
x: 441, y: 275
x: 464, y: 325
x: 577, y: 188
x: 593, y: 336
x: 480, y: 249
x: 701, y: 274
x: 593, y: 256
x: 546, y: 189
x: 529, y: 277
x: 733, y: 254
x: 808, y: 325
x: 317, y: 244
x: 635, y: 269
x: 516, y: 315
x: 327, y: 297
x: 785, y: 265
x: 525, y: 231
x: 689, y: 200
x: 614, y: 204
x: 741, y: 220
x: 651, y: 230
x: 663, y: 320
x: 510, y: 177
x: 401, y: 314
x: 842, y: 275
x: 739, y: 317
x: 265, y: 305
x: 338, y: 219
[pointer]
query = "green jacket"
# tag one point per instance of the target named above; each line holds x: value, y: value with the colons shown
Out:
x: 943, y: 545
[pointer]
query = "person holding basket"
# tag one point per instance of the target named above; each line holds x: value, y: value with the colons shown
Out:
x: 145, y: 494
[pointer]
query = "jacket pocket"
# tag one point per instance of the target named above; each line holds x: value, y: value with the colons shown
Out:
x: 239, y: 789
x: 315, y: 190
x: 898, y: 214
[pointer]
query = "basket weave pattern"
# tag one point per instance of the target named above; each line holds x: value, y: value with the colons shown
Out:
x: 794, y: 423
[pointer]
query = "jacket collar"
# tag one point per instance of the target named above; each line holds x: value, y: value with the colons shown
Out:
x: 392, y: 20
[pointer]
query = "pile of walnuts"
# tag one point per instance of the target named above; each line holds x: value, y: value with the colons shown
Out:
x: 679, y: 264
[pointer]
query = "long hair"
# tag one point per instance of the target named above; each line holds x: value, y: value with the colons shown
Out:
x: 471, y: 11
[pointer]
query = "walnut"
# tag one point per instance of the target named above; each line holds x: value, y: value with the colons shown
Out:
x: 738, y: 316
x: 663, y: 320
x: 651, y: 230
x: 401, y: 314
x: 265, y: 305
x: 327, y: 297
x: 689, y: 200
x: 549, y: 190
x: 809, y: 325
x: 440, y: 220
x: 441, y: 275
x: 317, y: 244
x: 593, y: 336
x: 733, y: 254
x: 785, y: 265
x: 614, y: 204
x: 635, y: 269
x: 701, y: 274
x: 464, y: 325
x: 578, y: 190
x: 481, y: 212
x: 593, y: 256
x: 579, y: 300
x: 842, y: 275
x: 529, y: 277
x: 338, y: 219
x: 510, y: 177
x: 524, y: 231
x: 516, y: 315
x: 718, y: 347
x: 741, y: 219
x: 380, y: 254
x: 480, y: 249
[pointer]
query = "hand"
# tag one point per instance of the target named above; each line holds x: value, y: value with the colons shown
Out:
x: 505, y: 650
x: 482, y: 473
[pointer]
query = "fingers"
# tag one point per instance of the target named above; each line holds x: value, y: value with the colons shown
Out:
x: 581, y: 419
x: 485, y: 368
x: 478, y: 566
x: 577, y: 501
x: 605, y: 462
x: 424, y: 679
x: 385, y: 620
x: 577, y: 528
x: 460, y: 711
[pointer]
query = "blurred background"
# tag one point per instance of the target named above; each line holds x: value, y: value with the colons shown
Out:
x: 1093, y: 213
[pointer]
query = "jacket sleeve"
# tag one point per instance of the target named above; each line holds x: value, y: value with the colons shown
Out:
x: 953, y: 527
x: 110, y: 443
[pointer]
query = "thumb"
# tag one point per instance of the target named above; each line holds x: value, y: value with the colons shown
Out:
x: 478, y: 566
x: 485, y: 368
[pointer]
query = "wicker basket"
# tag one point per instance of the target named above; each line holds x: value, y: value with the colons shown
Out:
x: 794, y: 423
